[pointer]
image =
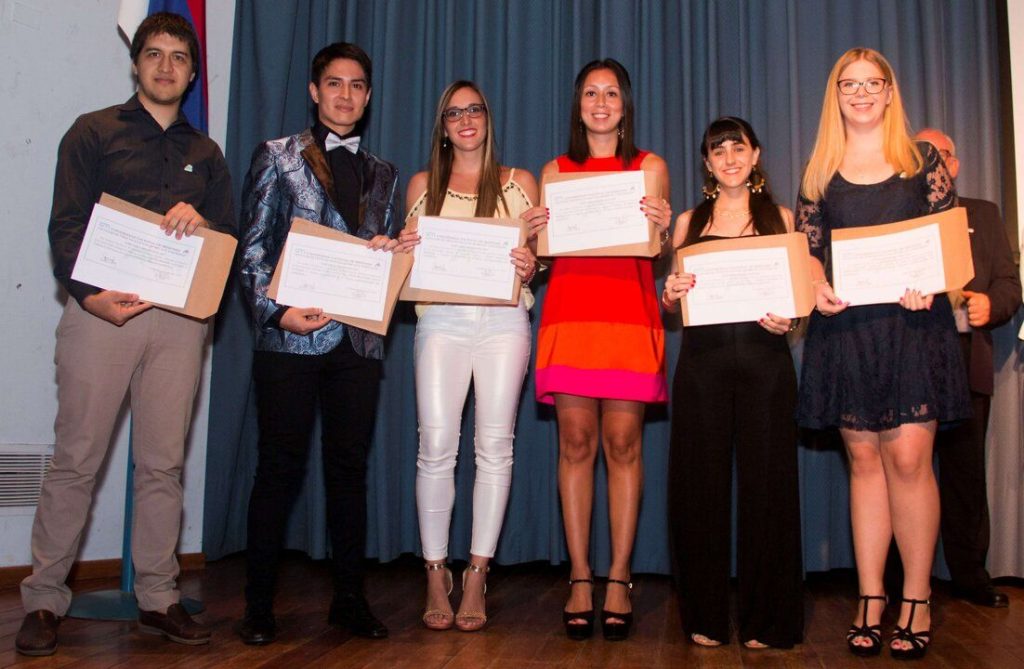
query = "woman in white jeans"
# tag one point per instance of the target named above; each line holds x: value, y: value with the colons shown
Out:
x: 456, y: 343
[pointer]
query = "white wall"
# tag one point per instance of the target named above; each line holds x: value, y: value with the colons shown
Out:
x: 61, y: 59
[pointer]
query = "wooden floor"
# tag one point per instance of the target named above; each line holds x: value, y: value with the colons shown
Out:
x: 524, y: 630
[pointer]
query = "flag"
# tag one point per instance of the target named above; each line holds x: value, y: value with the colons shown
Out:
x: 130, y: 15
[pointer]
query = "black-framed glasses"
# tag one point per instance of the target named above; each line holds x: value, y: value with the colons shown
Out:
x: 871, y: 86
x: 453, y: 114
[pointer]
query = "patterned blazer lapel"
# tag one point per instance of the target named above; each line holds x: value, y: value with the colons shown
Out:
x: 366, y: 189
x: 317, y: 161
x: 367, y: 206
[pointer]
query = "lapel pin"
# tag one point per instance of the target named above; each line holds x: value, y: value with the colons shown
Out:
x: 188, y: 168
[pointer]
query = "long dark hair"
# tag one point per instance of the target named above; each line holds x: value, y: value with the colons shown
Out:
x: 439, y: 171
x: 764, y: 213
x: 579, y: 149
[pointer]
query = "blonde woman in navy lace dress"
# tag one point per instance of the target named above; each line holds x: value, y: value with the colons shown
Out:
x: 886, y: 375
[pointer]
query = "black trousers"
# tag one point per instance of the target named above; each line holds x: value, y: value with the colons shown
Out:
x: 733, y: 401
x: 289, y: 388
x: 963, y: 493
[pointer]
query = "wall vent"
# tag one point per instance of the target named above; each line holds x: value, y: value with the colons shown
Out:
x: 22, y: 468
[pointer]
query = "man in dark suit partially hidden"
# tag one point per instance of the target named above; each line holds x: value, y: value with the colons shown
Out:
x: 305, y: 361
x: 990, y: 299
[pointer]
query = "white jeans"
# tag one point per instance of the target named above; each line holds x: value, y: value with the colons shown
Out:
x: 456, y: 344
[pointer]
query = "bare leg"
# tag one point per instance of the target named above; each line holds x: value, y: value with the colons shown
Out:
x: 622, y: 429
x: 577, y: 449
x: 914, y: 506
x: 869, y: 516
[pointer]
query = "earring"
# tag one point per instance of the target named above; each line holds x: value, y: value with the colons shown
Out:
x: 711, y: 187
x: 444, y: 142
x: 756, y: 181
x: 620, y: 131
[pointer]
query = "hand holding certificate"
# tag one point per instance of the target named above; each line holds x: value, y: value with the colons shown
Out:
x: 744, y: 278
x: 877, y: 264
x: 465, y: 261
x: 325, y: 268
x: 124, y: 249
x: 598, y: 214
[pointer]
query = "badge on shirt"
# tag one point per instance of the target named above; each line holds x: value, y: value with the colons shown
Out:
x: 188, y: 168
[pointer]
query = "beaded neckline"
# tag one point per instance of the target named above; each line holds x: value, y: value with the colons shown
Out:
x: 509, y: 185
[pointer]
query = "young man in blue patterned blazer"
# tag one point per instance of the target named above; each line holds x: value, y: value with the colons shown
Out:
x: 304, y: 360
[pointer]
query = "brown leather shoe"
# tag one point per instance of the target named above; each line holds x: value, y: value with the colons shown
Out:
x: 38, y: 633
x: 176, y: 625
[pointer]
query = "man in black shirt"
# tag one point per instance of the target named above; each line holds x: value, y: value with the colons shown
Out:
x: 109, y: 342
x: 305, y: 361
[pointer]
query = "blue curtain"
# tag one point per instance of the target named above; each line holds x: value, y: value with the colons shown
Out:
x: 690, y: 61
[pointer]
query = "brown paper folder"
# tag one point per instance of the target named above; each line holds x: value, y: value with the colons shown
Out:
x: 410, y: 294
x: 957, y: 262
x: 648, y: 249
x: 400, y: 266
x: 211, y: 271
x: 797, y: 251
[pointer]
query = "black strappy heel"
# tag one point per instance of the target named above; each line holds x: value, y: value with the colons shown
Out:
x: 871, y: 632
x: 578, y: 631
x: 919, y: 641
x: 616, y: 631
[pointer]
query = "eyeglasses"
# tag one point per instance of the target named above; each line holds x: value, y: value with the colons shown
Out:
x: 871, y: 86
x: 453, y: 114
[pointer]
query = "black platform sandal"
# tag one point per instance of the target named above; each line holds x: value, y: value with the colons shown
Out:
x: 616, y: 631
x: 871, y: 632
x: 579, y: 631
x: 919, y: 641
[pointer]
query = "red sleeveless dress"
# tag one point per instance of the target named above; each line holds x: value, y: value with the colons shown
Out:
x: 600, y: 332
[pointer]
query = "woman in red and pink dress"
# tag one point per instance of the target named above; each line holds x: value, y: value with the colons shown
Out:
x: 601, y: 352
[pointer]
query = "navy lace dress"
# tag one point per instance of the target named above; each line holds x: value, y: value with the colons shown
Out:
x: 876, y: 367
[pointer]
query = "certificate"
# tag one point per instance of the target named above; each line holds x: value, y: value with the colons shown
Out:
x: 340, y: 277
x: 465, y: 257
x: 876, y: 270
x: 595, y: 212
x: 742, y: 279
x: 125, y: 253
x: 877, y: 264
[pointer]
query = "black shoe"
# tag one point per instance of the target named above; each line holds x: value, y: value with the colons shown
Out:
x: 983, y: 595
x: 872, y: 633
x: 258, y: 628
x: 38, y: 634
x: 352, y: 611
x: 579, y: 631
x: 619, y: 630
x: 919, y: 641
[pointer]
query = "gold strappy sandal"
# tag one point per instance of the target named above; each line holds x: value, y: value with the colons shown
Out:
x: 438, y: 619
x: 471, y: 621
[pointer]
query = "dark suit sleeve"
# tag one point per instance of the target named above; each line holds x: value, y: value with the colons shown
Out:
x: 1004, y: 289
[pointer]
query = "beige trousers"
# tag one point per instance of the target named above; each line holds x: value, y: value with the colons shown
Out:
x: 156, y: 358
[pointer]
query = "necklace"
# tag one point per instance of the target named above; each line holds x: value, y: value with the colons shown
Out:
x: 731, y: 213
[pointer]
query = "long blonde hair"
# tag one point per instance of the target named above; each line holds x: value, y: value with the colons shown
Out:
x: 439, y: 170
x: 830, y: 145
